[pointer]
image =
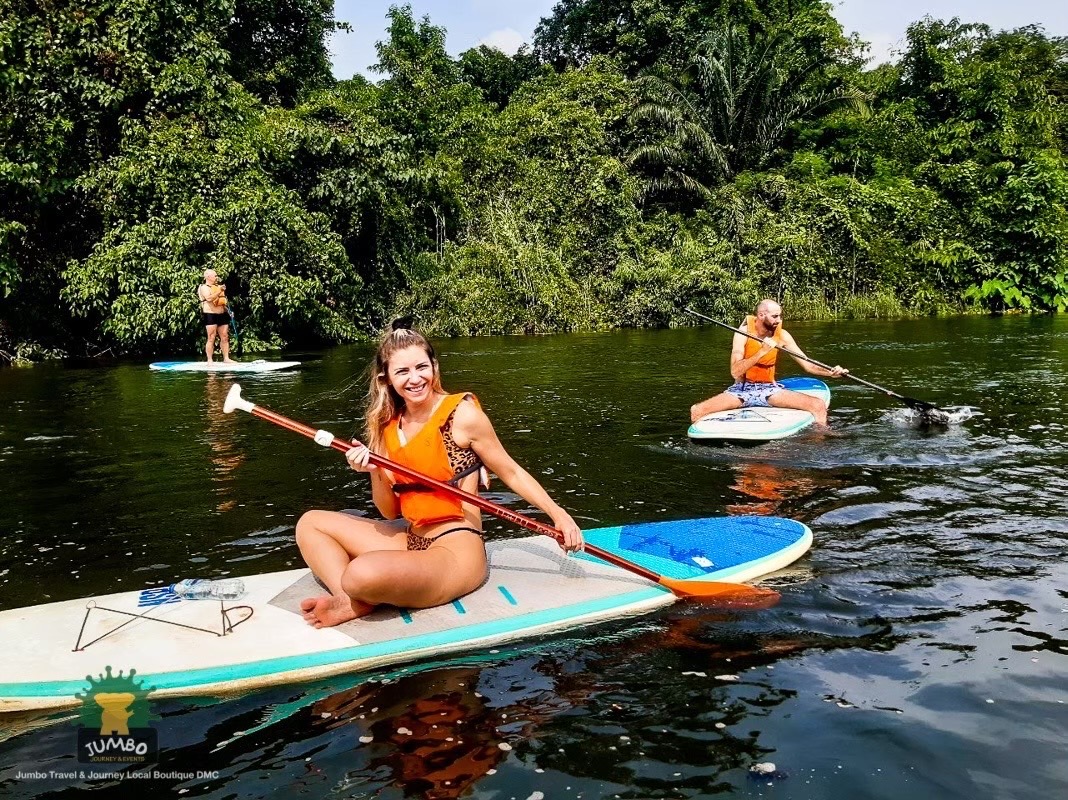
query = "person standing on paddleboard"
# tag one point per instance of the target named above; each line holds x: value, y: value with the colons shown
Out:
x: 753, y: 369
x: 440, y: 555
x: 214, y: 315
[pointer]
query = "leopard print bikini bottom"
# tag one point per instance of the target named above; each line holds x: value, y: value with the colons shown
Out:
x: 417, y: 542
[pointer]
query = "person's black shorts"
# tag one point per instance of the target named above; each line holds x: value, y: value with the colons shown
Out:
x: 221, y: 318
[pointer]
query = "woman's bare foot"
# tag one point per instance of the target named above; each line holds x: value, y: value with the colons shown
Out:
x: 327, y: 611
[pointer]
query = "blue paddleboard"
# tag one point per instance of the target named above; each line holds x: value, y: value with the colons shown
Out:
x: 259, y: 365
x: 532, y: 589
x: 761, y: 424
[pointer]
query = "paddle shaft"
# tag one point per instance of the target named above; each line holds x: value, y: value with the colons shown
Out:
x: 789, y: 352
x: 233, y: 321
x: 320, y: 437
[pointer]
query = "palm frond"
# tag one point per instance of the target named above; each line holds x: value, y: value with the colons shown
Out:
x: 733, y: 110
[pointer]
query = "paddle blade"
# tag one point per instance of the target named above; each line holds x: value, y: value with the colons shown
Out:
x: 932, y: 415
x: 935, y: 416
x: 720, y: 593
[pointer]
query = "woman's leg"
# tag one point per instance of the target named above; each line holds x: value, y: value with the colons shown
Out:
x: 450, y: 568
x: 329, y: 541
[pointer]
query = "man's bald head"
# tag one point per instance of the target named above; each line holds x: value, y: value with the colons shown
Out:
x: 768, y: 306
x: 768, y: 315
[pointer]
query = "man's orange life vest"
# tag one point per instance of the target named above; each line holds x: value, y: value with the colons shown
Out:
x: 764, y: 370
x: 425, y: 452
x: 216, y: 295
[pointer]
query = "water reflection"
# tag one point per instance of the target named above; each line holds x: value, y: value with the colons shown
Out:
x: 439, y: 733
x: 767, y: 486
x: 219, y: 435
x: 437, y: 745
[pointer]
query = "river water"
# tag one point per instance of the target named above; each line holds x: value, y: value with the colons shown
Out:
x: 919, y: 649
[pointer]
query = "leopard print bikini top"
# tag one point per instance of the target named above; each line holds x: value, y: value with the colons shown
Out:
x: 463, y: 461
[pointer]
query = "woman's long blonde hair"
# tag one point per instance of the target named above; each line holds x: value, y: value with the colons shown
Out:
x: 383, y: 402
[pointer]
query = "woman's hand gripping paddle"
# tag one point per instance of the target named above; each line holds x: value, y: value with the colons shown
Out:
x: 720, y: 592
x: 927, y: 411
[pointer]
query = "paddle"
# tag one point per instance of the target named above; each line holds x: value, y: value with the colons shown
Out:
x: 735, y: 593
x: 233, y: 321
x: 929, y: 412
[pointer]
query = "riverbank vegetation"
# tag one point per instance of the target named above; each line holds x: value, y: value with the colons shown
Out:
x: 636, y: 159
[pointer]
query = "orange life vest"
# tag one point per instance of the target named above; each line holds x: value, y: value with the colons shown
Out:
x: 425, y: 452
x: 219, y: 298
x: 764, y: 370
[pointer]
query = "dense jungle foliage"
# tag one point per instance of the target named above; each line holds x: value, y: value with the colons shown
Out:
x: 640, y: 156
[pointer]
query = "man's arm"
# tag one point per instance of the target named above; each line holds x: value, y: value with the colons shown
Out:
x: 212, y: 294
x: 739, y: 363
x: 808, y: 366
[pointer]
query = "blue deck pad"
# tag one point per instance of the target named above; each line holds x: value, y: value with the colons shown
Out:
x: 802, y: 383
x: 699, y: 547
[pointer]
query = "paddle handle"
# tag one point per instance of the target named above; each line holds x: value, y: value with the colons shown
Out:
x: 327, y: 439
x: 801, y: 356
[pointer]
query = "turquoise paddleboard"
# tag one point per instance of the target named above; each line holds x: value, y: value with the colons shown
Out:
x: 218, y: 366
x: 761, y: 424
x: 178, y: 647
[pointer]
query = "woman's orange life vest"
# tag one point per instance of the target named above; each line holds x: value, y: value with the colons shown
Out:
x: 425, y: 452
x: 764, y: 370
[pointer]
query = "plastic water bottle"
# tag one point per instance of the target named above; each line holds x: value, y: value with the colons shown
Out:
x: 200, y: 589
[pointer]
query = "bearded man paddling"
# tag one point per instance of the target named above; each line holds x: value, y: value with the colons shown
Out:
x: 753, y: 369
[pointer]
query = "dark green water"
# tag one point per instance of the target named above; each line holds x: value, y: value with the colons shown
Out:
x: 920, y: 649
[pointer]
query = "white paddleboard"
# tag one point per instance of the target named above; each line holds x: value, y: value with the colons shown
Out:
x: 260, y: 365
x: 177, y: 646
x: 761, y: 424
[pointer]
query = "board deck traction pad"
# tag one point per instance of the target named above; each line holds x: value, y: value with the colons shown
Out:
x: 532, y: 589
x: 761, y: 423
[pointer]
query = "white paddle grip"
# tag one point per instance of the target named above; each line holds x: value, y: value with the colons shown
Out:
x: 325, y: 438
x: 234, y: 401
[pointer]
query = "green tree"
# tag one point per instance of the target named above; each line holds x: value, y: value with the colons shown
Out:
x: 365, y: 177
x: 423, y: 87
x: 71, y: 78
x: 278, y: 48
x: 495, y: 74
x: 100, y: 91
x: 987, y: 110
x: 547, y: 205
x: 729, y: 113
x: 188, y: 194
x: 425, y: 100
x: 642, y: 34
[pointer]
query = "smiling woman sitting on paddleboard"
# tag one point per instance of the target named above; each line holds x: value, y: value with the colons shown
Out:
x: 441, y: 554
x: 753, y: 369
